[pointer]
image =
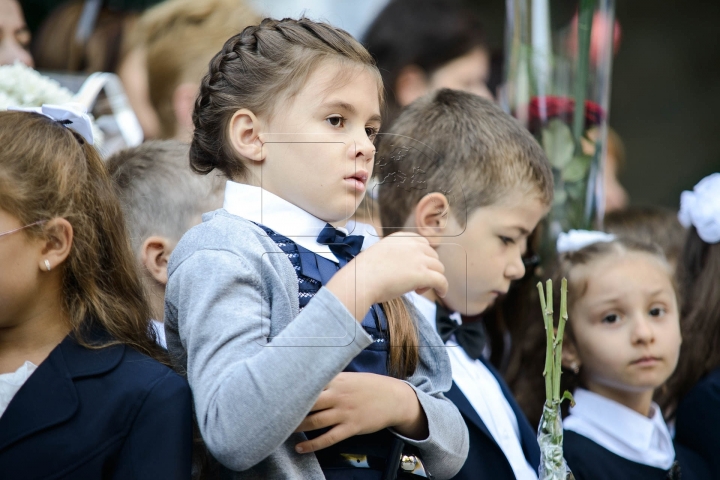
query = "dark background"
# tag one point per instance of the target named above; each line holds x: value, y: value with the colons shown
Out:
x: 665, y: 97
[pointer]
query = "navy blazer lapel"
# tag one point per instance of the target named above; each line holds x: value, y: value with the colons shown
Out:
x: 463, y: 404
x: 528, y: 438
x: 30, y: 410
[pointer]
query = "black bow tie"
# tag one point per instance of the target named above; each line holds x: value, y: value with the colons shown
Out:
x: 345, y: 247
x: 470, y: 336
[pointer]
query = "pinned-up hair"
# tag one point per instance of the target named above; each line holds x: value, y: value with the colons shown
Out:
x: 260, y: 68
x: 47, y: 171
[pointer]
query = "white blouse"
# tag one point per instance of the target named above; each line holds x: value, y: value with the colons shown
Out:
x: 621, y: 430
x: 11, y: 382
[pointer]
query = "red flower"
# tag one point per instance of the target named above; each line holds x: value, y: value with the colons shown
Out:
x: 543, y: 109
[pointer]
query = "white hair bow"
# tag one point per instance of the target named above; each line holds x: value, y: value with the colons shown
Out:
x: 701, y: 208
x: 72, y: 115
x: 574, y: 240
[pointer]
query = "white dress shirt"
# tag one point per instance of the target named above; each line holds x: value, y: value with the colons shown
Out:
x: 279, y: 215
x: 160, y: 332
x: 11, y: 382
x: 484, y: 393
x: 622, y: 430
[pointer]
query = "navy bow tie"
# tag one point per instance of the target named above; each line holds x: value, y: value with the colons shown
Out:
x: 345, y: 247
x: 470, y: 336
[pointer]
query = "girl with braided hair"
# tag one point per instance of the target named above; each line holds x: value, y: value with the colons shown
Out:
x: 303, y: 358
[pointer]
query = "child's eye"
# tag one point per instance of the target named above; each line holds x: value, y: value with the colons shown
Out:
x: 611, y: 318
x: 336, y: 121
x: 506, y: 240
x: 657, y: 312
x: 371, y: 132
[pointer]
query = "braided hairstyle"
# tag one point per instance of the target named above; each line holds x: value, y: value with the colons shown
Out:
x: 259, y: 69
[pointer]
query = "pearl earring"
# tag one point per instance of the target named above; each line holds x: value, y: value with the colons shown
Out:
x: 575, y: 367
x: 47, y: 264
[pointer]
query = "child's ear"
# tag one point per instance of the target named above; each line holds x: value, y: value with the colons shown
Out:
x: 155, y: 255
x: 431, y: 215
x: 410, y: 85
x: 57, y: 243
x: 245, y: 131
x: 570, y: 358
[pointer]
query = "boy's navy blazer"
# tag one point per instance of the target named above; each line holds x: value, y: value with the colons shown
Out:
x: 485, y: 458
x: 98, y: 413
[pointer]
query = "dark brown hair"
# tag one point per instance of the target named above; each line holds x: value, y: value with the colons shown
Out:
x: 425, y: 33
x: 649, y: 224
x: 258, y: 69
x: 48, y: 171
x: 698, y: 273
x: 461, y: 145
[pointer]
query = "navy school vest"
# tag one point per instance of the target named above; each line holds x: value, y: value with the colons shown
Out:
x: 313, y: 271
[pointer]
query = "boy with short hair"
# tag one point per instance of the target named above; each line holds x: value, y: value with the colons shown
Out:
x: 161, y: 200
x: 468, y: 177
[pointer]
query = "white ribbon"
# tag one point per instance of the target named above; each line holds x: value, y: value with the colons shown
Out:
x: 73, y: 113
x: 574, y: 240
x: 701, y: 208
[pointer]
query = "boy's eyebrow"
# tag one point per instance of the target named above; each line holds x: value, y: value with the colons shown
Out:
x: 349, y: 108
x: 522, y: 231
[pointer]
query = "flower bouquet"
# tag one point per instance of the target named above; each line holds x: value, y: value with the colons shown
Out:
x: 557, y: 84
x: 550, y: 430
x: 21, y: 86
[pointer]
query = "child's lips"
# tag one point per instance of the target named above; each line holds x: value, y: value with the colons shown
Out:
x: 358, y: 180
x: 646, y: 361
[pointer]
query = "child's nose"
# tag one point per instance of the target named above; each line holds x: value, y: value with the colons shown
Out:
x: 515, y: 270
x: 643, y: 331
x: 364, y: 149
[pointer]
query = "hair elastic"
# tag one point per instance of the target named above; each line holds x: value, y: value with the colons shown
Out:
x: 701, y: 208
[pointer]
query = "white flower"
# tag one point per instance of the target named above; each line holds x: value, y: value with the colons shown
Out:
x: 21, y: 86
x: 701, y: 208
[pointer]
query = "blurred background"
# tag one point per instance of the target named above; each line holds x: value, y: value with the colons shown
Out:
x: 665, y: 92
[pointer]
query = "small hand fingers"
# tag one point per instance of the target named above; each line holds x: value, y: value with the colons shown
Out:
x: 337, y: 434
x: 325, y: 400
x: 316, y: 421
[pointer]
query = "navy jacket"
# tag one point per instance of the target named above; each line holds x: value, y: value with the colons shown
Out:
x: 98, y: 413
x: 697, y: 425
x: 485, y: 458
x: 590, y: 461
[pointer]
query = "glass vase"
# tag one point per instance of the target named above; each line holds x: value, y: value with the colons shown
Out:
x: 557, y: 83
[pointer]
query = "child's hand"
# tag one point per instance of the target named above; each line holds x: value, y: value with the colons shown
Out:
x: 361, y: 403
x: 397, y: 264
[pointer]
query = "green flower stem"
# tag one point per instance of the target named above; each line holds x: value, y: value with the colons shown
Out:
x: 549, y: 331
x: 585, y: 18
x: 557, y: 347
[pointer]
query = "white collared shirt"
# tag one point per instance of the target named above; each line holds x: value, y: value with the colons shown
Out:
x: 622, y: 430
x: 484, y: 393
x: 11, y: 382
x: 260, y: 206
